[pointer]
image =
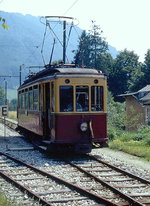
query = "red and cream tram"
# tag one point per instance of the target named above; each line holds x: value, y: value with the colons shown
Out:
x: 66, y: 107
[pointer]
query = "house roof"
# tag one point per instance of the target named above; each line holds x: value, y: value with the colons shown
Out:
x: 143, y: 95
x: 145, y: 89
x: 128, y: 94
x: 146, y: 97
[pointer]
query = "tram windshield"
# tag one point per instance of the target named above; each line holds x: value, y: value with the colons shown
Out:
x: 66, y: 98
x: 82, y: 100
x: 96, y: 98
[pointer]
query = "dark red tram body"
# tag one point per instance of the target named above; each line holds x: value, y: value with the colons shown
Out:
x: 66, y: 107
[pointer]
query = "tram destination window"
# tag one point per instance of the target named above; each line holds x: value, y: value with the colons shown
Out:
x: 82, y: 98
x: 66, y: 98
x: 97, y: 98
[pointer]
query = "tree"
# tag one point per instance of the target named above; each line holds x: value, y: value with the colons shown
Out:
x: 143, y: 75
x: 126, y: 70
x: 2, y: 20
x: 105, y: 63
x: 81, y: 57
x: 91, y: 45
x: 146, y: 70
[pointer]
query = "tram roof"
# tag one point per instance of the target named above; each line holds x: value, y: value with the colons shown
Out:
x: 51, y: 73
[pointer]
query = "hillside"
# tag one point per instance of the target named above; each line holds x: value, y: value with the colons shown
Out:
x: 22, y: 44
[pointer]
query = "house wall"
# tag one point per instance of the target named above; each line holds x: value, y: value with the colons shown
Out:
x: 135, y: 113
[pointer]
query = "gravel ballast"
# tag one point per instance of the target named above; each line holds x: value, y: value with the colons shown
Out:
x: 125, y: 161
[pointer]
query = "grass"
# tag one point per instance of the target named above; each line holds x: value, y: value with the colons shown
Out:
x: 12, y: 115
x: 134, y: 143
x: 133, y: 148
x: 4, y: 201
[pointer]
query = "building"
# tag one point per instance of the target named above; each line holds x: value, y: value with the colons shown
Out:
x: 137, y: 108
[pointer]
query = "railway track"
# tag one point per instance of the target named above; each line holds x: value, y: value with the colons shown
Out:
x: 133, y: 189
x: 12, y: 124
x: 21, y: 175
x: 96, y: 179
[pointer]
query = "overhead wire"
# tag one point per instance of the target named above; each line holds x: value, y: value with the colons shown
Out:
x: 71, y: 7
x: 43, y: 44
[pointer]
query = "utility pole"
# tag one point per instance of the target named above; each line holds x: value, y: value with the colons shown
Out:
x: 6, y: 107
x: 64, y: 42
x: 20, y: 73
x: 5, y: 92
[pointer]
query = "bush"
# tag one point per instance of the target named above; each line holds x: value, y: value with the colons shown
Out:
x: 116, y: 113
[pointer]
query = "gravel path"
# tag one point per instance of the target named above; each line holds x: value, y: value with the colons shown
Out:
x: 115, y: 156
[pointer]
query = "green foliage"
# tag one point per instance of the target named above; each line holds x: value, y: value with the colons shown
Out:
x: 5, y: 202
x: 91, y: 46
x: 143, y: 134
x: 125, y: 71
x: 132, y: 147
x: 116, y: 113
x: 3, y: 23
x: 105, y: 63
x: 135, y: 143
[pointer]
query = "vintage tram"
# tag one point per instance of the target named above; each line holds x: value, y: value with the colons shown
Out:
x: 66, y: 107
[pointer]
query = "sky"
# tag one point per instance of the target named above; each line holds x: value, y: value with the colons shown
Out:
x: 125, y: 23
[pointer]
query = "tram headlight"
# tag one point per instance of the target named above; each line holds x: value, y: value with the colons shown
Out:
x: 84, y: 126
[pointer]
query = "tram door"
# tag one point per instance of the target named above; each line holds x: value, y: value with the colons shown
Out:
x: 46, y: 112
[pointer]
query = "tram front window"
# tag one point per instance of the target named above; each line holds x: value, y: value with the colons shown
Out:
x: 82, y: 98
x: 97, y: 98
x: 66, y: 98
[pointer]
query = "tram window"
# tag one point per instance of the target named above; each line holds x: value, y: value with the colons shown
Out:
x: 23, y: 100
x: 35, y: 98
x: 40, y: 95
x: 97, y: 98
x: 66, y: 98
x: 19, y: 100
x: 30, y: 98
x: 26, y: 99
x: 52, y: 97
x: 82, y: 98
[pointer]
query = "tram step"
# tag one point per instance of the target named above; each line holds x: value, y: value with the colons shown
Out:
x: 46, y: 142
x: 42, y: 148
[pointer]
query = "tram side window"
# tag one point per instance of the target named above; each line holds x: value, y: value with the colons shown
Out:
x: 52, y: 97
x: 66, y: 98
x: 22, y: 100
x: 26, y: 99
x: 30, y: 99
x: 82, y: 98
x: 19, y: 100
x: 97, y: 98
x: 35, y: 98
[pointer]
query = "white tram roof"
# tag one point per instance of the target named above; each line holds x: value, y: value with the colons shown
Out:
x: 53, y: 73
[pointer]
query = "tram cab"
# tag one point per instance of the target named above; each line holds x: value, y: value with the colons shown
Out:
x: 70, y: 107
